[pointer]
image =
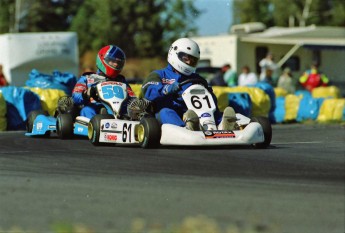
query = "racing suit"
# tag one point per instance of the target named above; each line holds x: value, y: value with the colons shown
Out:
x: 170, y: 108
x: 91, y: 107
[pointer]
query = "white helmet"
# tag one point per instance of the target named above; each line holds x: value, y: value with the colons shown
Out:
x: 184, y: 55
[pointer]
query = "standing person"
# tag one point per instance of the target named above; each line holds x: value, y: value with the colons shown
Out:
x: 286, y: 81
x: 247, y: 78
x: 218, y: 79
x: 3, y: 81
x: 230, y: 77
x: 161, y: 87
x: 268, y: 77
x: 268, y: 63
x: 110, y: 61
x: 313, y: 78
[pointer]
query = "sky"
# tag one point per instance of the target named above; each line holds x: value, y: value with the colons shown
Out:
x: 217, y: 16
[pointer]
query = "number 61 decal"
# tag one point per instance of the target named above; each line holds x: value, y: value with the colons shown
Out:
x: 127, y: 132
x: 197, y: 102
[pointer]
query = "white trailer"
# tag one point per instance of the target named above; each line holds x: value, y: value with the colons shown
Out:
x: 46, y: 52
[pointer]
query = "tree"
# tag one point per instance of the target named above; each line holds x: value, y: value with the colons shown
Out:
x: 295, y: 13
x: 141, y: 27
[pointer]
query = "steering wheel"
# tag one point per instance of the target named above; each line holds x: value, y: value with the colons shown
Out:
x: 200, y: 81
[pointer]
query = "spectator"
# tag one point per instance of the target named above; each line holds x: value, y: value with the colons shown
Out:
x: 313, y: 78
x: 230, y: 77
x: 247, y: 78
x: 218, y: 79
x: 286, y: 81
x: 3, y: 81
x: 268, y: 77
x: 268, y: 63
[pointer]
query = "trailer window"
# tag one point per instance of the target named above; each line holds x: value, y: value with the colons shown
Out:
x: 293, y: 63
x: 260, y: 53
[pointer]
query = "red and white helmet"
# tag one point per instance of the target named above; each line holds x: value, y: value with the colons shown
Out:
x: 110, y: 60
x: 184, y: 55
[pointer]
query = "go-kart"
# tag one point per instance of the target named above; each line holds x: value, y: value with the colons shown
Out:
x: 256, y: 131
x: 65, y: 122
x: 121, y: 124
x: 145, y: 131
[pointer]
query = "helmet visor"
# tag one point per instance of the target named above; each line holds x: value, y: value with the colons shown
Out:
x: 188, y: 59
x: 115, y: 63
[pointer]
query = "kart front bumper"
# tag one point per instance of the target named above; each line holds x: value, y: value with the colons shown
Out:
x: 175, y: 135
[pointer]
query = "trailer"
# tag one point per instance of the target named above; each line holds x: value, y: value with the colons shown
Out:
x: 295, y: 47
x: 46, y: 52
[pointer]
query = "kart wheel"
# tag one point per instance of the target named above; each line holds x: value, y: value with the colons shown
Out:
x: 267, y: 128
x: 64, y: 126
x: 149, y: 132
x: 94, y: 128
x: 31, y: 120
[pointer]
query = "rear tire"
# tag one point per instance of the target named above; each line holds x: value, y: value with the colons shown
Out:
x: 267, y: 129
x: 149, y: 132
x: 31, y: 120
x: 94, y: 128
x: 64, y: 126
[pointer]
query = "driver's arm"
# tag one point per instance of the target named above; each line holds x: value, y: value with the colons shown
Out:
x: 79, y: 90
x: 151, y: 88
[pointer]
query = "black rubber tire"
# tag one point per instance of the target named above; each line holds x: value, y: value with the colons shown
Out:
x: 267, y: 128
x: 152, y: 132
x: 31, y: 119
x: 94, y: 128
x: 64, y: 126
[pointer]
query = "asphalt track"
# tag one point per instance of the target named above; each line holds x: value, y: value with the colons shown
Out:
x: 294, y: 186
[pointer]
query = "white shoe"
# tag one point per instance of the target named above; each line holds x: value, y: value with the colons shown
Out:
x: 229, y: 119
x: 192, y: 120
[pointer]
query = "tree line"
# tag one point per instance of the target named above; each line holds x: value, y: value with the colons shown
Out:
x: 145, y: 28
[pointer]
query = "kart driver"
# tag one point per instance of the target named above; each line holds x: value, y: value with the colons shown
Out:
x: 162, y: 88
x: 110, y: 61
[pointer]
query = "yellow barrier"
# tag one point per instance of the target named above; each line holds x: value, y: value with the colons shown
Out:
x: 261, y: 102
x: 3, y: 111
x: 331, y: 110
x: 49, y: 98
x: 326, y: 92
x: 291, y: 107
x: 136, y: 89
x: 280, y: 92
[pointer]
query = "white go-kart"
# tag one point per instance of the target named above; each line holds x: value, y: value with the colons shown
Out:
x: 139, y: 128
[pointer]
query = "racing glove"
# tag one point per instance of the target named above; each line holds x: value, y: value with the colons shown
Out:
x: 171, y: 88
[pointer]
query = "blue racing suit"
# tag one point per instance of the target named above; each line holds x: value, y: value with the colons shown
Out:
x: 170, y: 108
x: 90, y: 107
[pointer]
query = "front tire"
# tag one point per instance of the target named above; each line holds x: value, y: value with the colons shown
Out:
x: 94, y: 128
x: 267, y: 129
x: 64, y: 126
x: 149, y: 132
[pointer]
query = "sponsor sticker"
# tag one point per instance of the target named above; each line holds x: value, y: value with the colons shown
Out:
x: 219, y: 134
x: 205, y: 114
x: 107, y: 125
x: 110, y: 137
x: 113, y: 125
x: 39, y: 125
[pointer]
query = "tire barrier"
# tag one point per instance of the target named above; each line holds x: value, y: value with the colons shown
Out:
x: 322, y: 105
x: 19, y: 103
x: 3, y: 112
x: 49, y: 98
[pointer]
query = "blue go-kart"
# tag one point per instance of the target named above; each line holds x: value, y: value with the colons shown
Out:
x: 65, y: 123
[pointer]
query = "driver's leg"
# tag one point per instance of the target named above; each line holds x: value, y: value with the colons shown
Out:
x: 169, y: 116
x: 228, y: 120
